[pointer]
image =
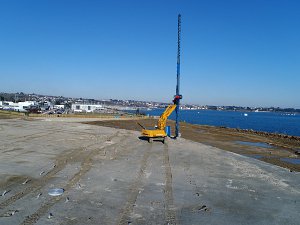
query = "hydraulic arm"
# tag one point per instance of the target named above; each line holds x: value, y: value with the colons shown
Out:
x: 163, y: 118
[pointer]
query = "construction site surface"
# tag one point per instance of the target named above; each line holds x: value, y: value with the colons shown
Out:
x: 111, y: 176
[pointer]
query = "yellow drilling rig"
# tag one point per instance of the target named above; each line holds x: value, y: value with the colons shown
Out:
x: 159, y: 132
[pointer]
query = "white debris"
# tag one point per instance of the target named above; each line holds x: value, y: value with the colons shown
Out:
x: 39, y: 195
x: 10, y: 213
x: 50, y: 215
x: 56, y: 191
x: 5, y: 192
x: 26, y: 181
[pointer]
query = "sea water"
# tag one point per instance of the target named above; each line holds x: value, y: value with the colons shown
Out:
x: 281, y: 123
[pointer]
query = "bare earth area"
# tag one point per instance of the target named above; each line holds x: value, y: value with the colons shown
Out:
x: 110, y: 176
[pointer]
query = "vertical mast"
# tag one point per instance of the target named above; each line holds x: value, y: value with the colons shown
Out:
x: 178, y: 77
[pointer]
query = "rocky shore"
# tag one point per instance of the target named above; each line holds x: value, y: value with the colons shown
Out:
x: 288, y: 139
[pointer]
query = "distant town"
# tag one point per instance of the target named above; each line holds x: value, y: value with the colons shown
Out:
x: 47, y: 104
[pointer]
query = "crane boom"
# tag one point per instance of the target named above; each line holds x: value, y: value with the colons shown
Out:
x: 178, y: 77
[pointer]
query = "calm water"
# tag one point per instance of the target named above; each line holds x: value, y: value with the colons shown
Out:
x: 289, y: 160
x: 255, y: 144
x: 260, y: 121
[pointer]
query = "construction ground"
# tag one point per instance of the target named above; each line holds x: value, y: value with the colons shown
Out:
x: 111, y: 176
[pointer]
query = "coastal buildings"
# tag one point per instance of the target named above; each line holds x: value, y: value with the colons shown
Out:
x: 13, y: 101
x: 86, y: 108
x: 17, y: 106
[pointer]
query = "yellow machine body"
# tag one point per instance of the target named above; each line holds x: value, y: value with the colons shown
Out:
x: 153, y: 133
x: 159, y: 131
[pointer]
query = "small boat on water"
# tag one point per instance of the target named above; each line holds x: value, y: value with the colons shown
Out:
x: 245, y: 114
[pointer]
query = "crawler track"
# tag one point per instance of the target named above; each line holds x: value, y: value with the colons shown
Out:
x: 85, y: 167
x: 170, y: 212
x: 134, y: 189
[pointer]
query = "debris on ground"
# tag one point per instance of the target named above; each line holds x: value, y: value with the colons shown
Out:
x: 26, y: 181
x: 5, y: 192
x: 9, y: 213
x: 39, y: 195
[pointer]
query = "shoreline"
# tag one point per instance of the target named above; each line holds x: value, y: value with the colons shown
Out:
x: 12, y: 114
x: 288, y: 139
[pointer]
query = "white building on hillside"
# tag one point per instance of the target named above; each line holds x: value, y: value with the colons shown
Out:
x: 22, y: 106
x: 18, y: 106
x: 59, y: 106
x: 86, y: 108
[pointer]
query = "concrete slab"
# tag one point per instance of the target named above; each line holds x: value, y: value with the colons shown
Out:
x: 111, y: 177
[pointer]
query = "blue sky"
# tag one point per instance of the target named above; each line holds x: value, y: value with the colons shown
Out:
x: 233, y: 52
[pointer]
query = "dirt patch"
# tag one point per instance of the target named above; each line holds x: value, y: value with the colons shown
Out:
x: 281, y: 146
x: 8, y: 180
x: 10, y: 114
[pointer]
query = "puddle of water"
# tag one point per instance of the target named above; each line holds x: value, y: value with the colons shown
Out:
x: 253, y: 156
x: 255, y: 144
x: 291, y: 160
